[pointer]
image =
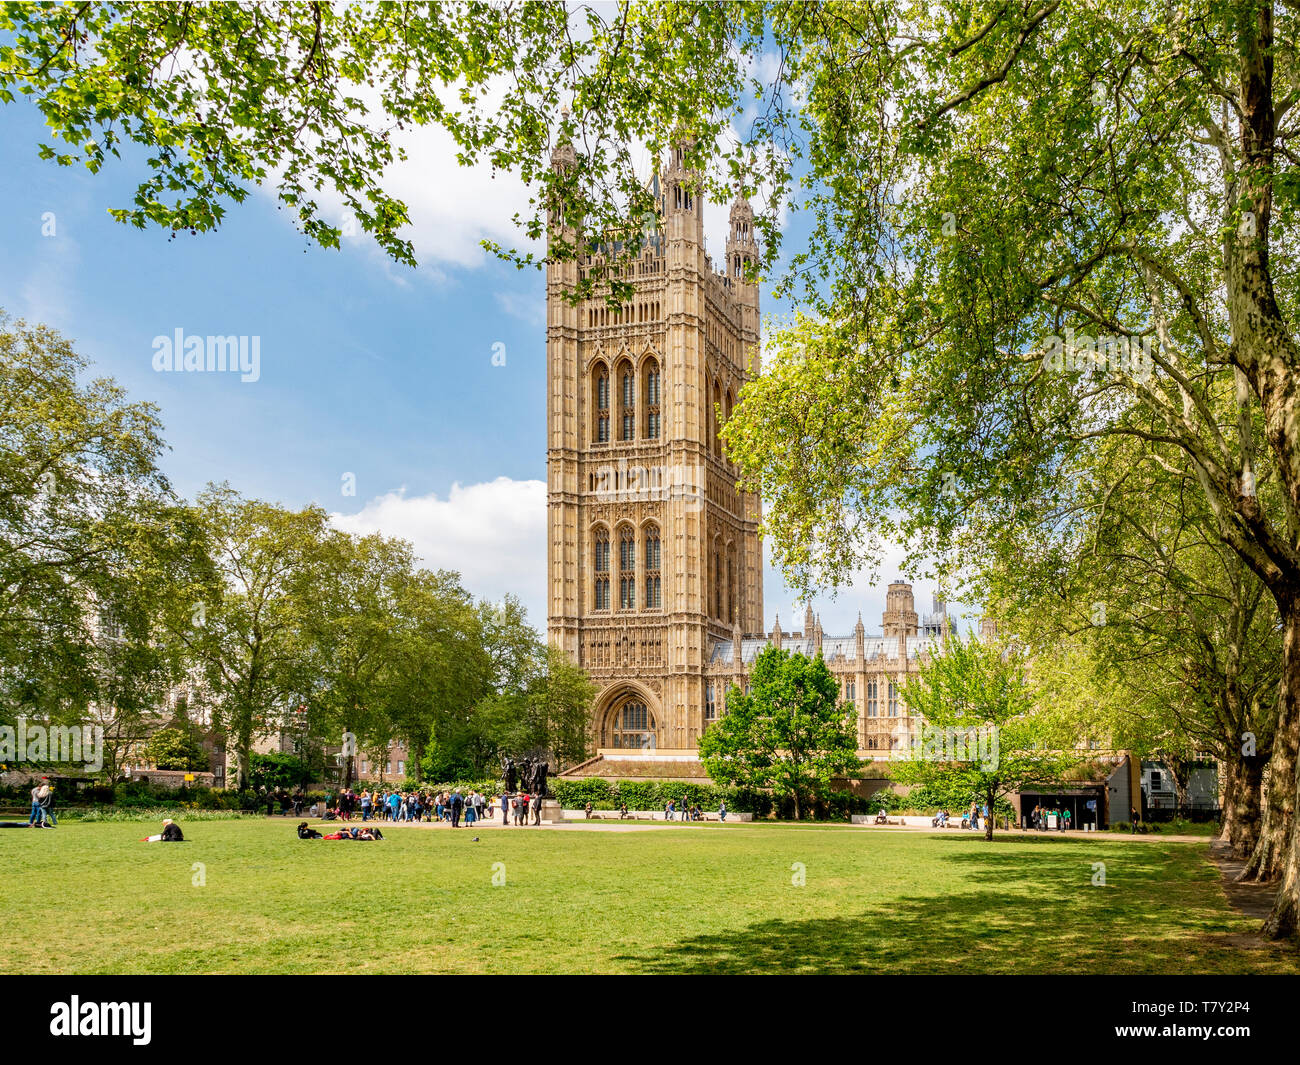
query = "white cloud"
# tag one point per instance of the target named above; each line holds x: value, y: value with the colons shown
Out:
x: 529, y: 307
x: 49, y: 291
x: 493, y: 534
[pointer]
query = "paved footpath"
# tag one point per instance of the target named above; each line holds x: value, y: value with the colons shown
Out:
x: 495, y: 823
x: 1016, y: 833
x: 615, y: 825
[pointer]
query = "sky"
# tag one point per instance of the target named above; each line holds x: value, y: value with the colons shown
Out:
x: 377, y: 394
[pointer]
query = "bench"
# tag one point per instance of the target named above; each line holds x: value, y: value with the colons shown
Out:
x: 652, y: 815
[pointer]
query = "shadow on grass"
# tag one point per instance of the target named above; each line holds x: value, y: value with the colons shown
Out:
x: 1039, y: 914
x: 920, y: 935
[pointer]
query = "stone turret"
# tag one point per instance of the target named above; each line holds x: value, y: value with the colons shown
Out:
x: 776, y: 632
x: 899, y: 618
x: 742, y: 248
x: 860, y: 638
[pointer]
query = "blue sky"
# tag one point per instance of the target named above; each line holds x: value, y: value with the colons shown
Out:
x: 367, y: 368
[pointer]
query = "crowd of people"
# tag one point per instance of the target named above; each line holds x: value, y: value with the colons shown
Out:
x: 454, y: 807
x: 1040, y: 818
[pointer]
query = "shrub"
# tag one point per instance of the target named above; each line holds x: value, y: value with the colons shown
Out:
x: 575, y: 794
x: 147, y: 813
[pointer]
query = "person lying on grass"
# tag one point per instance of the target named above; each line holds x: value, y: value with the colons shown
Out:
x: 355, y: 833
x: 171, y: 833
x: 307, y: 833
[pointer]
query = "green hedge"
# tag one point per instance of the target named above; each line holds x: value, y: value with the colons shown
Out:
x: 571, y: 794
x: 134, y: 795
x: 655, y: 794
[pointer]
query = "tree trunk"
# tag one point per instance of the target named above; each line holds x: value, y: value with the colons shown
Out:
x: 988, y: 820
x: 1279, y: 798
x: 243, y: 757
x: 1241, y: 805
x: 1282, y: 922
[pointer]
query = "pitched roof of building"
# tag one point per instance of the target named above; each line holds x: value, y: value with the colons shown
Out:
x: 873, y: 647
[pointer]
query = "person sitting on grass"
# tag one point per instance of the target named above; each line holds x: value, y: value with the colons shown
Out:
x: 307, y: 833
x: 171, y: 833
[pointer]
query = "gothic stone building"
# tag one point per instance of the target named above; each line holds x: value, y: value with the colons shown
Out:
x: 654, y: 561
x: 653, y: 553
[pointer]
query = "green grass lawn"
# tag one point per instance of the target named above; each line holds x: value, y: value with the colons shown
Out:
x: 89, y: 898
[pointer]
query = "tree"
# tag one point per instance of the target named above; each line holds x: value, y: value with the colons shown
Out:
x: 279, y: 772
x: 1069, y: 224
x: 173, y: 748
x: 349, y: 635
x: 316, y: 96
x: 790, y: 733
x: 981, y: 733
x: 1128, y: 567
x: 560, y: 701
x: 81, y: 503
x: 437, y: 665
x: 250, y: 637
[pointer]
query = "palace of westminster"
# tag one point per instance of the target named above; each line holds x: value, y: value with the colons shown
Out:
x: 654, y: 560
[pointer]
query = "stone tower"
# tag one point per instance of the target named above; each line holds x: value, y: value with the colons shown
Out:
x: 653, y: 554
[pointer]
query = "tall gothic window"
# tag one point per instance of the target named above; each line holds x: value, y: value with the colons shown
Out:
x: 627, y: 569
x: 633, y: 726
x: 710, y: 703
x: 601, y: 552
x: 726, y: 410
x: 653, y: 594
x: 893, y: 699
x: 602, y: 405
x: 627, y: 406
x: 851, y: 692
x: 872, y: 698
x: 717, y: 585
x: 732, y: 597
x: 652, y: 400
x: 717, y: 427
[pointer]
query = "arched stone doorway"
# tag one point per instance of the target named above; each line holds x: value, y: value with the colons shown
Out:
x: 630, y: 720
